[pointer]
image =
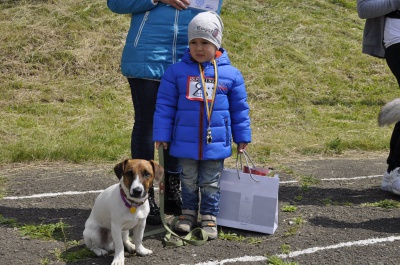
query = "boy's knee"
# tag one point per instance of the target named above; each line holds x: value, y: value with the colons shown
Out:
x: 210, y: 188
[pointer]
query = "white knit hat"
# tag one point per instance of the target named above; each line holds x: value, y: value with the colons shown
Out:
x: 208, y: 26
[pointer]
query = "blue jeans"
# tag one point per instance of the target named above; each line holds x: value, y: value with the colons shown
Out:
x: 144, y: 97
x: 201, y: 178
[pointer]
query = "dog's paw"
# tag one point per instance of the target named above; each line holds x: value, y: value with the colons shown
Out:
x: 142, y: 251
x: 118, y: 262
x: 129, y: 246
x: 99, y: 251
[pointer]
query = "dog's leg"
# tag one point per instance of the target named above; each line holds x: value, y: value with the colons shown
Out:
x: 94, y: 247
x: 99, y: 251
x: 119, y: 258
x: 138, y: 232
x: 127, y: 243
x: 92, y: 238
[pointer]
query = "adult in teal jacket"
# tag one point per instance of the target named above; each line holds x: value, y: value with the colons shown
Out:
x: 157, y: 38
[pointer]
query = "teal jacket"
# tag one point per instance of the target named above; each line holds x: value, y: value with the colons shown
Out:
x: 157, y: 37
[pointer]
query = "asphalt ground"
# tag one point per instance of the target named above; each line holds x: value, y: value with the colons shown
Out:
x: 335, y: 221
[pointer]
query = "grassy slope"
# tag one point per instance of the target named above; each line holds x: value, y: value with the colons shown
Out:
x: 311, y: 91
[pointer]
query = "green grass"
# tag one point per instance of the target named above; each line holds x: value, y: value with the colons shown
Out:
x: 73, y: 250
x: 387, y: 204
x: 274, y: 260
x: 230, y: 236
x: 77, y: 252
x: 8, y: 221
x: 295, y: 225
x: 311, y: 90
x: 44, y: 231
x: 239, y: 238
x: 289, y: 208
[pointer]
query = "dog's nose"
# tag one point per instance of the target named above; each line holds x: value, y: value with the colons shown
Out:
x: 137, y: 192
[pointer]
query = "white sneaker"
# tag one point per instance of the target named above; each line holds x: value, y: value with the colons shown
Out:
x: 391, y: 181
x: 385, y: 182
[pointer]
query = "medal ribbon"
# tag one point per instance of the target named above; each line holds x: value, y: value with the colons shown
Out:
x: 209, y: 109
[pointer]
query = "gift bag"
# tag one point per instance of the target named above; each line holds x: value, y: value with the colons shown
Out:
x: 249, y: 201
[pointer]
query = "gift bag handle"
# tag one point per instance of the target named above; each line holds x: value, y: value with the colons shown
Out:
x: 247, y: 158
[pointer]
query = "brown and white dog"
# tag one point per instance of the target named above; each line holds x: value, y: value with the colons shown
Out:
x: 121, y: 207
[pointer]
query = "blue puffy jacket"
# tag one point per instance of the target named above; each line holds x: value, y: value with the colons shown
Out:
x: 156, y: 39
x: 183, y: 122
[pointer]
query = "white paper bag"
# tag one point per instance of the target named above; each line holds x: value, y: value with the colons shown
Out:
x: 248, y: 204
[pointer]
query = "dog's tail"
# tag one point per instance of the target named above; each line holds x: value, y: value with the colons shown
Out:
x: 390, y: 113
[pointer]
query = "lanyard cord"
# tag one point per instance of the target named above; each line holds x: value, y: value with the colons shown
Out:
x: 209, y: 108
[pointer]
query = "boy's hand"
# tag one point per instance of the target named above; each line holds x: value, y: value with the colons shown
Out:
x: 164, y: 144
x: 241, y: 147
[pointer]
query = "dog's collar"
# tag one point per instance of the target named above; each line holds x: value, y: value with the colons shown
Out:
x: 129, y: 203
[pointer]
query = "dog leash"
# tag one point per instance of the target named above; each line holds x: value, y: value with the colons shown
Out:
x: 161, y: 206
x: 161, y: 199
x: 195, y: 237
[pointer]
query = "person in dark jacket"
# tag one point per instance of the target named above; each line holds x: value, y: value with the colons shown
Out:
x: 201, y: 108
x: 157, y: 38
x: 381, y: 39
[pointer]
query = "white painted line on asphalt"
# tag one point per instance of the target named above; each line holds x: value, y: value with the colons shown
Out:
x: 43, y: 195
x: 365, y: 242
x: 240, y: 259
x: 335, y: 179
x: 353, y: 178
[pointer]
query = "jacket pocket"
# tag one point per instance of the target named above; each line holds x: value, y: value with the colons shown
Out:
x: 141, y: 28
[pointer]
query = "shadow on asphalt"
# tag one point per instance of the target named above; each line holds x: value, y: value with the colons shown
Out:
x: 391, y: 224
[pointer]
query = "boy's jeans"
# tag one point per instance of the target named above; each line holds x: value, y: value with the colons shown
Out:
x: 203, y: 175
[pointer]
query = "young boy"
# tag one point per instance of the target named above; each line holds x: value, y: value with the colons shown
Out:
x: 201, y: 107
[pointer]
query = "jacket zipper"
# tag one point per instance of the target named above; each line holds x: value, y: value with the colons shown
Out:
x: 227, y: 132
x: 201, y: 131
x: 141, y: 28
x: 175, y: 36
x: 174, y: 131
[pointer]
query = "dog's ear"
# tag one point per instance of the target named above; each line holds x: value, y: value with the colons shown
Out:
x: 119, y: 169
x: 158, y: 170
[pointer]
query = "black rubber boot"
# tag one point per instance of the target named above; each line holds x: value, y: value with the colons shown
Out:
x: 173, y: 195
x: 154, y: 216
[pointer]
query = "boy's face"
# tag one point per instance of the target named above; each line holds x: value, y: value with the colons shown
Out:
x: 202, y: 50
